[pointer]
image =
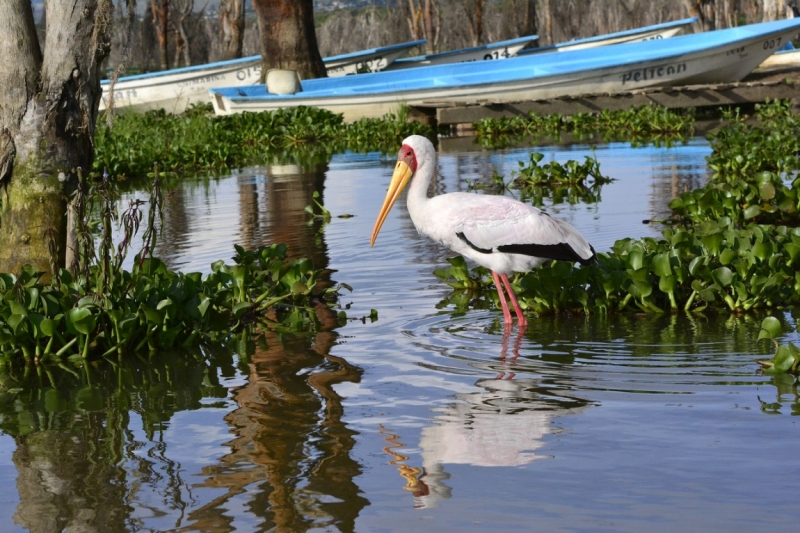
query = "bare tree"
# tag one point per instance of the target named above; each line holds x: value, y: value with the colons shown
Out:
x: 231, y: 28
x: 181, y: 10
x: 474, y: 10
x: 425, y: 22
x: 522, y: 17
x: 288, y: 37
x: 48, y: 109
x: 161, y: 22
x: 547, y: 16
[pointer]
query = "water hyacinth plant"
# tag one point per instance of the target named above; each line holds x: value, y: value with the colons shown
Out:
x: 99, y: 309
x: 198, y: 141
x: 786, y: 358
x: 753, y: 165
x: 572, y: 181
x: 637, y: 125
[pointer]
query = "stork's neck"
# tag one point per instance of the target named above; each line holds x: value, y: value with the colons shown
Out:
x: 418, y: 190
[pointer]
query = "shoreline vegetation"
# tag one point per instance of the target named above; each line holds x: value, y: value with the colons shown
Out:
x: 731, y: 246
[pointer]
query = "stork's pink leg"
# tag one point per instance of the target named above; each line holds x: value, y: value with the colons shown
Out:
x: 506, y: 313
x: 520, y: 317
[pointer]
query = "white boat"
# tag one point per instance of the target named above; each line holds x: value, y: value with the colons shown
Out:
x: 645, y: 33
x: 786, y: 59
x: 174, y: 90
x: 498, y: 50
x: 363, y: 61
x: 720, y: 56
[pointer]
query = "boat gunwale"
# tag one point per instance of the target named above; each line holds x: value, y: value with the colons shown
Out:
x: 379, y: 50
x: 615, y: 35
x: 488, y: 46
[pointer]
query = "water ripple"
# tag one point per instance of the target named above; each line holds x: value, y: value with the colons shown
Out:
x: 563, y: 357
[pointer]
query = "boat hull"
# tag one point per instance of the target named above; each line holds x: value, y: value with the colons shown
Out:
x: 175, y: 92
x: 727, y: 56
x: 177, y: 89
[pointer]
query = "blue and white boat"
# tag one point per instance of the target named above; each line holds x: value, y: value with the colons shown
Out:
x: 491, y: 51
x: 174, y: 90
x: 645, y: 33
x: 720, y: 56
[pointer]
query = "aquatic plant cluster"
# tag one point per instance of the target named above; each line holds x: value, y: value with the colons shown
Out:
x: 100, y: 309
x: 637, y: 125
x: 733, y: 245
x: 572, y: 181
x: 197, y: 141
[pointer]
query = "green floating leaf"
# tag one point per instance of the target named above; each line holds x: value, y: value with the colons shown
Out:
x: 723, y: 276
x: 766, y: 191
x: 770, y: 328
x: 727, y: 256
x: 661, y: 265
x: 751, y: 211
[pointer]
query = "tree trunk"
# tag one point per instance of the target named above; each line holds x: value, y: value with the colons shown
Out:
x: 47, y: 117
x: 161, y: 22
x: 288, y: 37
x: 527, y: 23
x: 414, y: 18
x: 428, y: 20
x: 182, y: 9
x: 231, y: 28
x: 547, y: 16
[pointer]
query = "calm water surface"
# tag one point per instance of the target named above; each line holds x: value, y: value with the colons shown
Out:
x: 423, y: 419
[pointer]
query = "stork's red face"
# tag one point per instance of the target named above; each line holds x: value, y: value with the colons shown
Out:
x: 403, y: 170
x: 408, y: 157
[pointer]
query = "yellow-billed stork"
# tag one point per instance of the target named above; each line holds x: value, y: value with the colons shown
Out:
x: 496, y: 232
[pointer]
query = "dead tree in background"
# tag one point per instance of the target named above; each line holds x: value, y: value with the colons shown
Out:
x: 231, y: 28
x: 474, y: 11
x: 425, y: 22
x: 523, y: 17
x: 547, y: 17
x: 181, y: 10
x: 288, y: 37
x: 161, y: 22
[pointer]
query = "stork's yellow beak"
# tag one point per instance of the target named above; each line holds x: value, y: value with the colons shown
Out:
x: 402, y: 173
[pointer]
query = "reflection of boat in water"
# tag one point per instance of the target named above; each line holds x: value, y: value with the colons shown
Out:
x: 505, y: 424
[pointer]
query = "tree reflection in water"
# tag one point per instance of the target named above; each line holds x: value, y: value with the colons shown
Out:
x: 292, y: 449
x: 83, y: 464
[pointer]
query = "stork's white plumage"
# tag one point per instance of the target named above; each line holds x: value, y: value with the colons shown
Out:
x: 497, y: 232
